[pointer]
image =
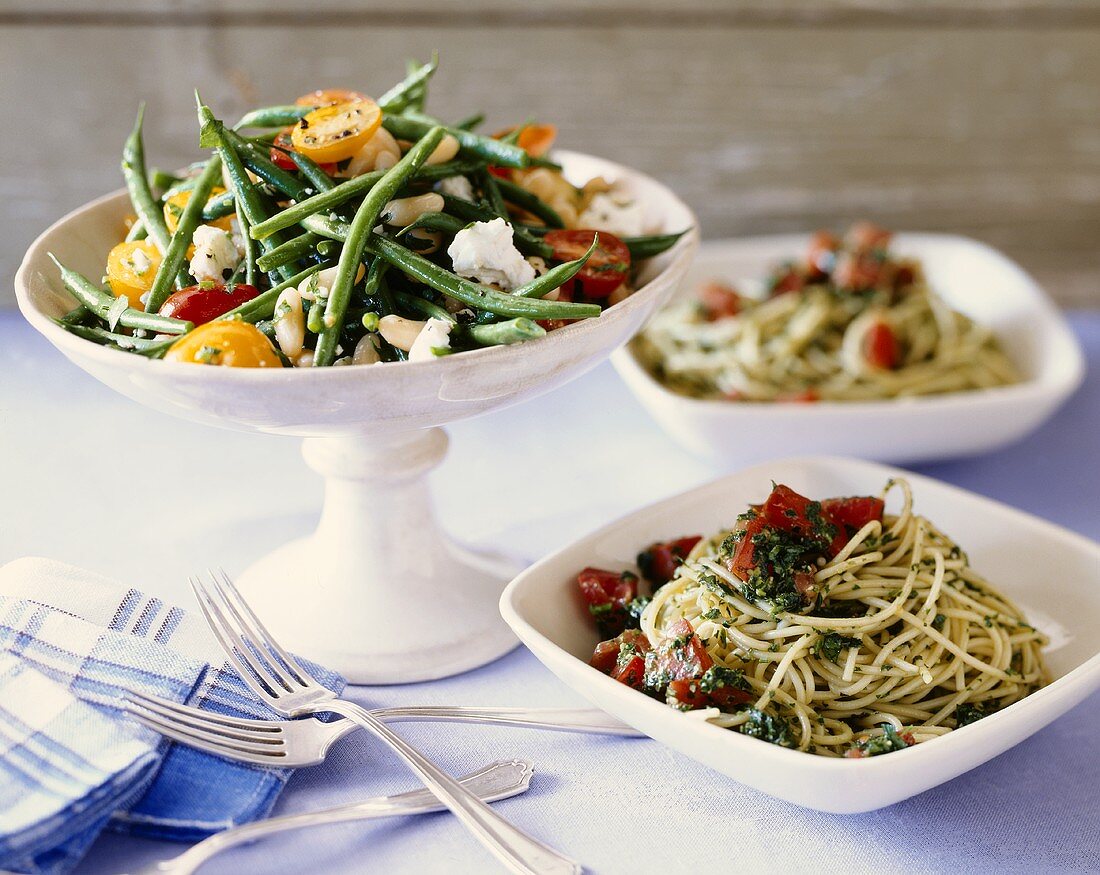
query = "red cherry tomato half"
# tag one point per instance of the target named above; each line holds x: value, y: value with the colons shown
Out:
x: 605, y: 271
x: 718, y: 301
x: 881, y: 347
x: 207, y: 301
x: 283, y: 144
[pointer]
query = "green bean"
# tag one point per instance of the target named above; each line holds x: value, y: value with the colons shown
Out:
x: 263, y: 305
x: 172, y: 264
x: 534, y: 205
x: 273, y: 117
x: 375, y: 285
x: 102, y: 304
x: 133, y: 170
x: 213, y: 135
x: 329, y: 248
x: 289, y: 252
x: 489, y: 188
x: 366, y: 217
x: 137, y: 232
x: 326, y: 201
x: 476, y: 295
x: 75, y: 316
x: 250, y: 262
x: 224, y: 204
x: 315, y: 321
x: 509, y: 331
x: 413, y: 126
x: 163, y: 179
x: 435, y: 222
x: 470, y: 122
x: 398, y: 97
x: 556, y: 276
x: 123, y: 341
x: 312, y: 171
x: 650, y: 245
x: 425, y: 308
x: 259, y: 163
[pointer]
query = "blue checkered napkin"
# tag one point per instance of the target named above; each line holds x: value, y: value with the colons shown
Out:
x: 99, y: 639
x: 64, y: 769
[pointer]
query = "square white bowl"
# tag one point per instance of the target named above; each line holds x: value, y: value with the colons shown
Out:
x: 973, y: 278
x: 1053, y: 574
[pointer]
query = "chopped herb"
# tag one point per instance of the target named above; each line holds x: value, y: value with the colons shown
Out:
x: 830, y: 645
x: 967, y: 714
x: 767, y: 727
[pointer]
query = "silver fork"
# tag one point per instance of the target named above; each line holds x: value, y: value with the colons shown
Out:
x: 280, y: 680
x: 501, y: 780
x: 298, y: 743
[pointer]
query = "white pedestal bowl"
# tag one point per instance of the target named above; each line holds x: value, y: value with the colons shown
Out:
x: 373, y: 434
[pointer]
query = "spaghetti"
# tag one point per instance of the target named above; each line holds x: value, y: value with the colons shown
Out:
x: 851, y: 322
x: 831, y: 628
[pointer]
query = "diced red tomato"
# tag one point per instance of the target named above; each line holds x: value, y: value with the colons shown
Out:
x: 631, y: 672
x: 718, y: 301
x: 206, y: 301
x: 806, y: 396
x: 904, y: 276
x: 688, y: 695
x: 881, y: 347
x: 659, y: 561
x: 607, y: 652
x: 788, y: 510
x: 821, y: 255
x: 867, y: 236
x: 601, y: 587
x: 566, y: 292
x: 283, y: 144
x: 743, y: 560
x: 858, y: 272
x: 805, y: 584
x: 853, y: 512
x: 681, y: 656
x: 788, y: 279
x: 605, y: 270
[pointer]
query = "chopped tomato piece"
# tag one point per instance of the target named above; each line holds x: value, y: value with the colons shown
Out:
x: 718, y: 301
x: 867, y: 236
x: 858, y: 272
x: 788, y: 279
x: 689, y: 695
x: 881, y: 347
x: 631, y: 671
x: 606, y: 654
x: 805, y: 584
x: 854, y: 512
x: 606, y: 269
x: 788, y: 510
x: 743, y: 560
x: 681, y: 656
x: 822, y: 255
x: 659, y: 561
x: 806, y: 396
x: 608, y: 594
x: 904, y: 276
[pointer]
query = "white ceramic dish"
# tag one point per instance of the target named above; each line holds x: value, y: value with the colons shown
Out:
x: 973, y: 278
x: 371, y: 431
x: 1053, y: 574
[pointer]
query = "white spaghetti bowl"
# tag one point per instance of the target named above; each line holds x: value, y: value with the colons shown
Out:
x: 974, y: 279
x: 1051, y: 573
x: 344, y: 594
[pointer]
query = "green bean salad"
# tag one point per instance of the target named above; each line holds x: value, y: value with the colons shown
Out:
x: 344, y: 230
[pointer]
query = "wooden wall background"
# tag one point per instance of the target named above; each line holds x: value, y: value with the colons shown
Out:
x: 766, y: 115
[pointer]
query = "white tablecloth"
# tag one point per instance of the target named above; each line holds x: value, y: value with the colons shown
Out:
x: 94, y: 479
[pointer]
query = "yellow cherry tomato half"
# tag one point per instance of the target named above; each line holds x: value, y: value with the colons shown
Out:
x: 175, y: 205
x: 131, y: 268
x: 335, y: 133
x: 329, y: 97
x: 230, y: 344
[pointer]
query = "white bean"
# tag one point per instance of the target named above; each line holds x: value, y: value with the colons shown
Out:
x: 366, y: 353
x: 404, y: 211
x: 430, y: 241
x: 372, y: 152
x: 290, y: 325
x: 305, y: 360
x: 399, y: 332
x: 445, y: 151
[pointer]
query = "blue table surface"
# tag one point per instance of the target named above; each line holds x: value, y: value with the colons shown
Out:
x: 617, y: 805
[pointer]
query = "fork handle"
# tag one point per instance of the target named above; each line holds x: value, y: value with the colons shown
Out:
x: 587, y: 720
x: 518, y: 851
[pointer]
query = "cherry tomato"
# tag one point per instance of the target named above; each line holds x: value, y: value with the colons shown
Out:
x: 206, y: 301
x: 605, y: 271
x: 718, y: 301
x: 232, y: 344
x: 681, y: 656
x: 283, y: 144
x: 881, y: 348
x: 131, y: 269
x: 607, y: 652
x: 334, y: 133
x: 329, y: 97
x: 854, y: 512
x: 175, y: 205
x: 659, y: 561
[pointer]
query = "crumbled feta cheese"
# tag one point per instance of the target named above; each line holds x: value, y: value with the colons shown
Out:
x: 484, y: 251
x: 457, y: 186
x: 237, y: 236
x: 140, y: 262
x: 434, y: 335
x: 614, y: 213
x: 215, y: 255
